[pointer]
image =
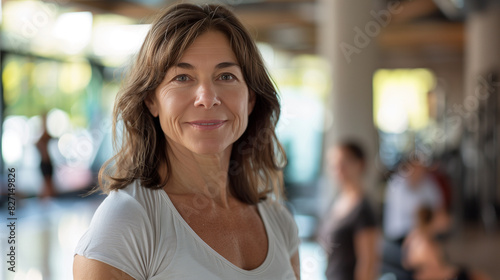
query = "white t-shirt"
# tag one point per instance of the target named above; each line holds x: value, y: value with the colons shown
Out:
x: 403, y: 201
x: 140, y: 232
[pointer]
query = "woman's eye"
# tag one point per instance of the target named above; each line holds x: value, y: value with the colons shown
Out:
x: 226, y: 77
x: 181, y: 78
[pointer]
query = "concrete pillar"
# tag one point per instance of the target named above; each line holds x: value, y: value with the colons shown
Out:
x: 347, y: 38
x: 482, y: 59
x: 482, y: 44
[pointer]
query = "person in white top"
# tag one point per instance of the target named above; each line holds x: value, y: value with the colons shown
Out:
x: 195, y: 187
x: 408, y: 190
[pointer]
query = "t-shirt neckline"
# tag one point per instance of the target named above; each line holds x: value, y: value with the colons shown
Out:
x: 270, y: 244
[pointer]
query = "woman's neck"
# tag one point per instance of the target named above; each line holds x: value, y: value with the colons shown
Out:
x: 205, y: 175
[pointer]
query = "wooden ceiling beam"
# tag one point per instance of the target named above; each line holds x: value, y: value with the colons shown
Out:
x: 432, y: 35
x: 403, y: 32
x: 267, y: 19
x: 411, y: 10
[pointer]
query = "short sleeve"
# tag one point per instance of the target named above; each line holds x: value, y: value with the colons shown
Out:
x: 366, y: 217
x: 119, y: 235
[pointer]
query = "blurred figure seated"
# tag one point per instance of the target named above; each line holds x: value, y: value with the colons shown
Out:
x: 425, y: 258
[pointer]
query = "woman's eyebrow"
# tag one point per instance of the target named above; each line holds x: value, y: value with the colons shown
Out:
x: 185, y: 65
x: 226, y: 65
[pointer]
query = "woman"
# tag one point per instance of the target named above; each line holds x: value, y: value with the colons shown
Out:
x: 189, y: 189
x: 349, y: 233
x: 46, y: 165
x: 425, y: 258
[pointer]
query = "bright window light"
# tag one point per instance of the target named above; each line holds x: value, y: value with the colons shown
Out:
x: 12, y: 140
x: 15, y: 134
x: 400, y: 99
x: 58, y: 123
x: 74, y: 30
x: 118, y: 40
x: 267, y: 53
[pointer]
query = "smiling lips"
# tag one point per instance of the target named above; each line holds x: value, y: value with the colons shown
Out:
x: 207, y: 124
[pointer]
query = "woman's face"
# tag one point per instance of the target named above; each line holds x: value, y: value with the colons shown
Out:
x: 203, y: 102
x: 346, y: 168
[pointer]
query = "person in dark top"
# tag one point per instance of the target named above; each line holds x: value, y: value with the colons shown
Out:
x: 46, y: 162
x: 349, y: 233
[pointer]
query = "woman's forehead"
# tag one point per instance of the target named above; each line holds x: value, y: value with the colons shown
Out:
x: 211, y: 44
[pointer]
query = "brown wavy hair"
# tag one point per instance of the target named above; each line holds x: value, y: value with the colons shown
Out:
x: 257, y: 157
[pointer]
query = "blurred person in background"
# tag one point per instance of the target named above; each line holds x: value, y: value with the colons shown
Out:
x: 423, y: 255
x: 349, y: 233
x: 437, y: 172
x: 46, y: 166
x: 193, y: 189
x: 410, y: 188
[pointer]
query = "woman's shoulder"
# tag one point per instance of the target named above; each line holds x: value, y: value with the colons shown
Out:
x: 122, y: 231
x: 276, y: 211
x: 134, y: 197
x: 129, y: 208
x: 125, y: 213
x: 137, y: 191
x: 364, y: 214
x: 118, y: 205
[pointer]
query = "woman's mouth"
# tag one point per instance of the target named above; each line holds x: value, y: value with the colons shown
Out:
x: 207, y: 124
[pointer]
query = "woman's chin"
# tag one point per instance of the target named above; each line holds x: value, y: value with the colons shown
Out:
x: 210, y: 149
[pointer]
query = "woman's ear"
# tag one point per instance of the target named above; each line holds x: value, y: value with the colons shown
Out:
x: 251, y: 101
x: 151, y: 104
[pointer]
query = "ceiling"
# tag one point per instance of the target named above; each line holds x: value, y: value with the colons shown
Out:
x: 423, y: 25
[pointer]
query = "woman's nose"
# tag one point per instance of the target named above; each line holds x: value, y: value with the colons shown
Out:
x: 206, y: 96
